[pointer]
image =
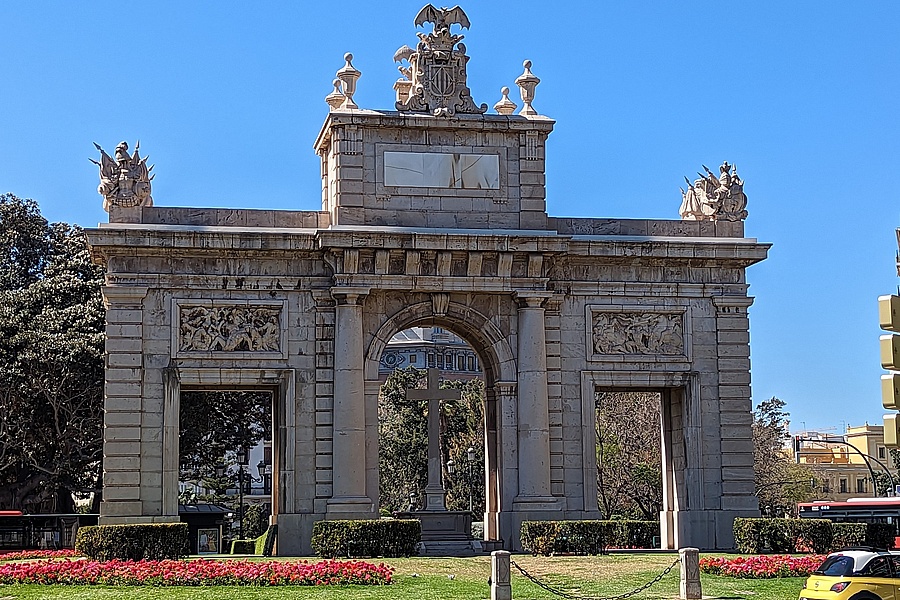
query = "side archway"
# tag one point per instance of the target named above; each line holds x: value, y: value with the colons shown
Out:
x: 499, y: 365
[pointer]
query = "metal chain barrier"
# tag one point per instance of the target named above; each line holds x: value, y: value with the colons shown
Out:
x: 569, y: 596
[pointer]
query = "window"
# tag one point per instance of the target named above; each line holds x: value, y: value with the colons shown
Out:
x: 826, y: 486
x: 843, y: 485
x: 881, y: 452
x: 860, y: 486
x: 413, y: 359
x: 460, y: 363
x: 471, y: 361
x: 430, y: 360
x: 836, y: 566
x: 877, y: 567
x: 895, y: 561
x: 440, y: 361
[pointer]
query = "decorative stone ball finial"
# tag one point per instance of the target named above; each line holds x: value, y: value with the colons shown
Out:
x: 505, y: 106
x: 336, y: 97
x: 348, y: 75
x: 527, y: 82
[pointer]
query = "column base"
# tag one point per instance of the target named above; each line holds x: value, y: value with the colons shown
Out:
x: 350, y: 507
x: 529, y: 503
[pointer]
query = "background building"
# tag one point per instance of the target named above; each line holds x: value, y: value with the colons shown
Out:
x: 841, y: 471
x: 427, y: 348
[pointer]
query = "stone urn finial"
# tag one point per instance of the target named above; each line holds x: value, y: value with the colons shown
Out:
x: 505, y: 106
x: 348, y: 74
x: 336, y: 97
x: 527, y: 82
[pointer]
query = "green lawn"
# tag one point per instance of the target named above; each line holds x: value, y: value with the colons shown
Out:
x: 430, y: 579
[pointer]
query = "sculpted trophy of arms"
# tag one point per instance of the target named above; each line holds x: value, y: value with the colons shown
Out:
x: 126, y: 180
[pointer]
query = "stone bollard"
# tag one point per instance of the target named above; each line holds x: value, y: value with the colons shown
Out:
x: 500, y: 588
x: 690, y: 574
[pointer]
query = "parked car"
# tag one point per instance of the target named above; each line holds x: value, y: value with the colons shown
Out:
x: 855, y: 574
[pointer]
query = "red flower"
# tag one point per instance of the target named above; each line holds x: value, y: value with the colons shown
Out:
x: 196, y: 573
x: 761, y: 567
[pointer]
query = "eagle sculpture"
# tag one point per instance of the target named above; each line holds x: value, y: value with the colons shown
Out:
x: 442, y: 17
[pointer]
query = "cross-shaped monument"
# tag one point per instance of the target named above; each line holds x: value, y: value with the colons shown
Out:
x: 435, y: 493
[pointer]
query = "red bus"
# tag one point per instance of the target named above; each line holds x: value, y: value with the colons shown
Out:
x: 856, y: 510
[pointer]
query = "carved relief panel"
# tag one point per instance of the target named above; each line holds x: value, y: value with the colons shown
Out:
x: 636, y: 333
x: 229, y: 329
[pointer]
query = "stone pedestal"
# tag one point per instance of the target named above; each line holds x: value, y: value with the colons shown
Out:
x: 444, y: 533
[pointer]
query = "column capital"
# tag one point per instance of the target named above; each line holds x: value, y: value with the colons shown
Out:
x: 733, y: 301
x: 349, y: 295
x: 532, y: 298
x: 122, y: 294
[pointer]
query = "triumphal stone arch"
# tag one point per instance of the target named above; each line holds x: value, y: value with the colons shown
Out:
x: 433, y: 213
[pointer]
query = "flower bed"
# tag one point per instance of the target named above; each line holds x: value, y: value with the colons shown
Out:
x: 196, y: 573
x: 761, y: 567
x: 32, y: 554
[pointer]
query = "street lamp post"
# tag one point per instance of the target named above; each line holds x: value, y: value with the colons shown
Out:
x: 243, y: 459
x: 470, y: 460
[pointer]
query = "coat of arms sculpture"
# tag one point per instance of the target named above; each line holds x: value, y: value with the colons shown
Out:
x: 437, y: 67
x: 714, y: 199
x: 124, y: 181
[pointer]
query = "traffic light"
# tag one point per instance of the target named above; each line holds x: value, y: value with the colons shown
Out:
x: 891, y: 430
x: 889, y: 319
x: 890, y: 391
x: 889, y: 313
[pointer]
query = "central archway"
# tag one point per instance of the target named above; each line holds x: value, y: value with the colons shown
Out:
x: 499, y: 367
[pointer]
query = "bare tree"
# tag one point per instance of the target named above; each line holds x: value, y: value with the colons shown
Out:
x: 629, y: 454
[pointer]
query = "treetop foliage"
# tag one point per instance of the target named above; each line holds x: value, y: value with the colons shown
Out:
x: 52, y: 324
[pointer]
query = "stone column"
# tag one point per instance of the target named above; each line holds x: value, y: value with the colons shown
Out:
x: 171, y: 427
x: 533, y: 406
x: 348, y: 416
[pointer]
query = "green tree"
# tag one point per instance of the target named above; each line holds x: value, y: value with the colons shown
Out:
x: 214, y: 424
x: 403, y: 441
x: 51, y: 361
x: 256, y: 520
x: 780, y: 482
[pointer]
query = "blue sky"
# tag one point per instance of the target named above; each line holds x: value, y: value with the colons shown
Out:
x: 802, y: 96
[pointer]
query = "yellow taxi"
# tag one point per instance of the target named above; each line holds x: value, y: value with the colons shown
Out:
x: 855, y: 574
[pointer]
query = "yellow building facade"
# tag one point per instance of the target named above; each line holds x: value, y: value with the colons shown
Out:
x: 841, y: 471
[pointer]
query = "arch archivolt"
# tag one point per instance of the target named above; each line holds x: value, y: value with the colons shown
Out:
x: 476, y: 328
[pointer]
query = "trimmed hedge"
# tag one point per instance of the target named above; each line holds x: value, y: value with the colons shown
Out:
x: 586, y: 537
x: 756, y: 535
x: 879, y: 535
x: 385, y: 537
x: 145, y: 541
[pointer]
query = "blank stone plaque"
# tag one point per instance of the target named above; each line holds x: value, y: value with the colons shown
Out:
x: 439, y: 170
